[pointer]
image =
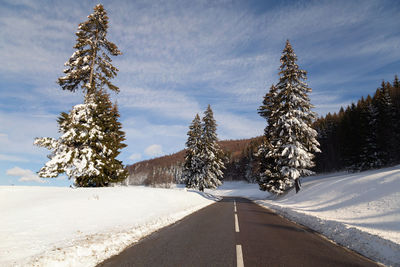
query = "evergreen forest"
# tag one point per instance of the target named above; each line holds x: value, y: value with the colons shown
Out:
x: 364, y: 135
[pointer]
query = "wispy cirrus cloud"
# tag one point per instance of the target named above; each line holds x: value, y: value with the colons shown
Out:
x: 163, y: 102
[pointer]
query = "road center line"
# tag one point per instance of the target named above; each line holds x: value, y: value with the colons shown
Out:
x: 234, y: 206
x: 239, y: 256
x: 236, y: 223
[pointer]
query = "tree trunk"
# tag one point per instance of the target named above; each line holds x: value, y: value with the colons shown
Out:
x: 297, y: 185
x: 91, y: 89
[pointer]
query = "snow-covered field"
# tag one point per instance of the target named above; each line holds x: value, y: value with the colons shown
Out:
x: 44, y: 226
x: 56, y: 226
x: 359, y: 210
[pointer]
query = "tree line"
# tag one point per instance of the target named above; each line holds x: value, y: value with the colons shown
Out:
x: 364, y: 135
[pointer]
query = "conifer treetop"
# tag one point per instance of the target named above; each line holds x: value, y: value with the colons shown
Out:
x: 210, y: 126
x: 90, y: 66
x: 194, y: 133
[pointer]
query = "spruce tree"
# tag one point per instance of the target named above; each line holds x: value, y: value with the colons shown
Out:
x: 90, y: 142
x: 193, y: 166
x: 89, y: 67
x: 268, y: 169
x: 370, y: 157
x: 292, y: 140
x: 91, y: 136
x: 211, y: 154
x: 395, y: 95
x: 386, y: 123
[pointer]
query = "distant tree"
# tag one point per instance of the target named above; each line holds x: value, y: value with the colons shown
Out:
x: 328, y: 137
x: 293, y: 140
x: 90, y: 66
x: 385, y: 123
x: 395, y: 96
x: 370, y: 157
x: 91, y: 134
x: 211, y: 154
x: 90, y: 142
x: 193, y: 166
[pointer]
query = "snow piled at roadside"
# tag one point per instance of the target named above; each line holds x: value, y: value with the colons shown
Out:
x: 360, y: 211
x: 49, y: 226
x: 369, y: 245
x: 238, y: 189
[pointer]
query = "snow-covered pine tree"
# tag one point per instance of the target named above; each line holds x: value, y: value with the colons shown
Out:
x: 292, y: 140
x: 268, y: 169
x: 91, y: 134
x: 90, y: 141
x: 106, y: 116
x: 211, y: 154
x: 90, y: 66
x: 193, y: 166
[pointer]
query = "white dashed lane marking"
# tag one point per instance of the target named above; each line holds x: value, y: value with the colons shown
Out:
x: 239, y: 253
x: 236, y: 223
x: 239, y: 256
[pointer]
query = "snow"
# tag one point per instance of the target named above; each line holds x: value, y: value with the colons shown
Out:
x: 360, y: 211
x: 50, y: 226
x: 44, y: 226
x: 238, y: 189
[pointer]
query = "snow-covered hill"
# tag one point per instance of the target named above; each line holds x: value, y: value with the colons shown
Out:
x: 359, y: 210
x: 50, y: 226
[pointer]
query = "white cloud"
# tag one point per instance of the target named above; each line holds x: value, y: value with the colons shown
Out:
x: 135, y: 156
x: 25, y: 175
x: 153, y: 150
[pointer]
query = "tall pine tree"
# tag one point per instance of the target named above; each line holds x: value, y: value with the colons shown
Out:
x: 269, y: 172
x: 211, y: 154
x: 91, y: 134
x: 193, y: 166
x: 292, y: 139
x: 370, y: 157
x: 89, y: 67
x: 386, y: 131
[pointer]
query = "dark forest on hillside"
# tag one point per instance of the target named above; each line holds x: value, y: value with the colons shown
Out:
x: 365, y: 135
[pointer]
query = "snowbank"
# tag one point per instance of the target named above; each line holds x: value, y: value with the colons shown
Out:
x: 359, y: 210
x: 238, y: 189
x: 42, y: 226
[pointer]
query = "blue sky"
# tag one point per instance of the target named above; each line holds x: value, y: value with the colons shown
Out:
x: 179, y: 56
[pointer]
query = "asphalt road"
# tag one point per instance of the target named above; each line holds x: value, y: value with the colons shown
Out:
x: 236, y: 232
